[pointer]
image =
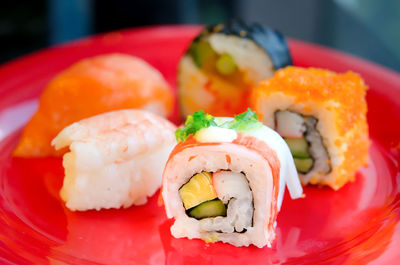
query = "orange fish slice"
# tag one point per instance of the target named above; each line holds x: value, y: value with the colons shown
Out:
x: 89, y: 87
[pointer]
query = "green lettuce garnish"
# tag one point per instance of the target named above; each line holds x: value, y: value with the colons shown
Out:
x: 198, y: 120
x: 245, y: 121
x: 242, y: 122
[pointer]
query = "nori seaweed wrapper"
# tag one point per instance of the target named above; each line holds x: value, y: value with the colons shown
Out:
x: 270, y: 40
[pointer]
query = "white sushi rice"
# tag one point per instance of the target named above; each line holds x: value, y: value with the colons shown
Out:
x: 116, y: 159
x: 248, y: 56
x: 192, y: 85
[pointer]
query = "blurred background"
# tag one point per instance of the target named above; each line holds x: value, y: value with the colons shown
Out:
x: 367, y: 28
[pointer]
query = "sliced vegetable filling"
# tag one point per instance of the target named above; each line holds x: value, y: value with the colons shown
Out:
x: 205, y: 57
x: 226, y: 65
x: 304, y: 141
x: 303, y: 165
x: 200, y: 199
x: 202, y: 53
x: 208, y: 209
x: 199, y: 189
x: 298, y: 147
x: 234, y: 202
x: 221, y: 68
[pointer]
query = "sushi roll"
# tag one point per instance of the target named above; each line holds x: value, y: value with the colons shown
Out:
x: 224, y: 62
x: 322, y: 117
x: 225, y: 180
x: 116, y: 159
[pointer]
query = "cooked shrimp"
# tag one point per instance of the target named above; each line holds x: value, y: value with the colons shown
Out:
x: 116, y: 159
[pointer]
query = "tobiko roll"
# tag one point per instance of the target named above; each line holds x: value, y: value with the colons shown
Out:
x: 225, y: 180
x: 322, y: 117
x: 224, y: 62
x: 115, y: 159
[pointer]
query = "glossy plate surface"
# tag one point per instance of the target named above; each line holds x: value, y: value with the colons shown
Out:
x: 358, y: 224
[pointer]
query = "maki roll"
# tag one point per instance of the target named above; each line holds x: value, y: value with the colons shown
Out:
x: 225, y: 180
x: 224, y: 62
x: 322, y: 117
x: 116, y: 159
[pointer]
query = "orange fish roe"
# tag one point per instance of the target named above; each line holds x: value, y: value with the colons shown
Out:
x: 89, y: 87
x: 338, y: 103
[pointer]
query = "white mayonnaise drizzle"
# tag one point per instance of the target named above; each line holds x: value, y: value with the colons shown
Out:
x: 214, y: 134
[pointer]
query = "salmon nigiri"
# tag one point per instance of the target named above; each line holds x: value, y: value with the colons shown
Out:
x: 90, y: 87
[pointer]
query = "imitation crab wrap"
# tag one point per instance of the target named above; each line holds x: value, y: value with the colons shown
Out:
x: 225, y: 180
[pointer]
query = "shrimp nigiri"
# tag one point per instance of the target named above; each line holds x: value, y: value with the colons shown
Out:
x: 116, y: 159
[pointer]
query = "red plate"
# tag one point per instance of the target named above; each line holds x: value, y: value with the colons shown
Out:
x: 358, y: 224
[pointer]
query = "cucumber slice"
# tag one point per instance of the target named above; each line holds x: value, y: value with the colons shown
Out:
x: 201, y: 51
x: 298, y: 147
x: 303, y: 165
x: 208, y: 209
x: 225, y: 64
